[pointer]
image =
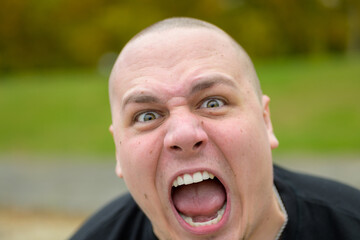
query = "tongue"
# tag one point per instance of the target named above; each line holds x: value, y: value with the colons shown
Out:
x: 202, y: 199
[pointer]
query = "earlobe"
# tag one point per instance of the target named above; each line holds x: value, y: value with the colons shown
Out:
x: 274, y: 143
x: 111, y: 130
x: 118, y: 170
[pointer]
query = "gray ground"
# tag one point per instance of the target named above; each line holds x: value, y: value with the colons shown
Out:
x: 79, y: 187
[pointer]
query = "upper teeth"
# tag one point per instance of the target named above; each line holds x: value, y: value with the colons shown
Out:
x: 194, y: 178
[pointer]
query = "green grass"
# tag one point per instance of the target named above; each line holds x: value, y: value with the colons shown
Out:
x: 314, y: 108
x: 314, y: 103
x: 55, y: 112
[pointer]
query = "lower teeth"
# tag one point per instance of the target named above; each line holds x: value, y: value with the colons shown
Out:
x: 219, y: 215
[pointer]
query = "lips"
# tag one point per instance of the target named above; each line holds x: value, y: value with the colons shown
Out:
x: 199, y: 201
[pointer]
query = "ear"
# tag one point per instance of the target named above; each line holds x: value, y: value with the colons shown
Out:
x: 111, y: 130
x: 274, y: 143
x: 118, y: 170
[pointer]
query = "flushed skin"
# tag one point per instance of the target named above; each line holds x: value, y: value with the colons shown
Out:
x: 170, y: 76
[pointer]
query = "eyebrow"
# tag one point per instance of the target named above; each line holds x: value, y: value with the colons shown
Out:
x: 200, y: 85
x: 210, y: 82
x: 140, y: 98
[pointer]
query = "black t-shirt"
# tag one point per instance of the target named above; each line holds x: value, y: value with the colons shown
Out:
x: 318, y: 209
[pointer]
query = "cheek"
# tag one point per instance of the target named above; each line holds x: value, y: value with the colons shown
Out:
x: 246, y: 151
x: 138, y: 160
x: 234, y: 137
x: 245, y: 146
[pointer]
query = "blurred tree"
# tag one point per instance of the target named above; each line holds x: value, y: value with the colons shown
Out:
x: 352, y: 8
x: 65, y: 33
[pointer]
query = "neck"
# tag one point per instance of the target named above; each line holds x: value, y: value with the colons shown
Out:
x: 273, y: 222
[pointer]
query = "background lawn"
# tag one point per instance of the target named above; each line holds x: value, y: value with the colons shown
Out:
x: 314, y: 107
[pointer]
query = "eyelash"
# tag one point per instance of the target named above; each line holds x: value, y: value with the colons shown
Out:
x: 221, y: 102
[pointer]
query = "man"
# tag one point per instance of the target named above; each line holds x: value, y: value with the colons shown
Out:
x: 193, y: 141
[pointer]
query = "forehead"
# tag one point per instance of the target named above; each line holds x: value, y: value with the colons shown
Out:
x: 170, y: 56
x: 166, y: 49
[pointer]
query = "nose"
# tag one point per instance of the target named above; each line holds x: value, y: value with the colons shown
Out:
x: 185, y: 134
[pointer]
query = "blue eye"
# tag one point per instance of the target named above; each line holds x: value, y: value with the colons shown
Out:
x: 212, y: 103
x: 147, y: 116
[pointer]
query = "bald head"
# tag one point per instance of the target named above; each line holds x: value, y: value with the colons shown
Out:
x: 182, y: 24
x: 178, y: 22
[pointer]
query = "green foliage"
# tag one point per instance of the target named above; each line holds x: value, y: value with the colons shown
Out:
x: 313, y: 106
x: 63, y: 33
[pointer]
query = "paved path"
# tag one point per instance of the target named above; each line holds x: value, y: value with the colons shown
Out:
x: 56, y: 185
x: 78, y: 187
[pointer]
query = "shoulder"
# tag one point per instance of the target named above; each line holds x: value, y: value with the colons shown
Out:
x: 318, y: 208
x: 120, y: 218
x: 320, y: 190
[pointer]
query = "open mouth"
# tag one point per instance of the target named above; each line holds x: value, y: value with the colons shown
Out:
x: 200, y: 199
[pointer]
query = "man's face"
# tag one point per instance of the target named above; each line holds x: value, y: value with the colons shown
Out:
x: 184, y: 110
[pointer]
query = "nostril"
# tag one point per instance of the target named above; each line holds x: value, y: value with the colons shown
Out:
x: 175, y: 147
x: 197, y: 145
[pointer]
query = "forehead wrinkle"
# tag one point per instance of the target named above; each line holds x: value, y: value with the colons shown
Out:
x: 139, y: 97
x: 211, y: 81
